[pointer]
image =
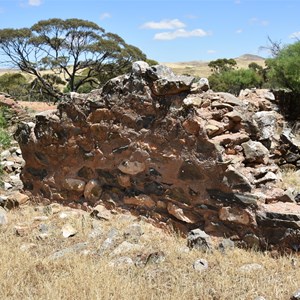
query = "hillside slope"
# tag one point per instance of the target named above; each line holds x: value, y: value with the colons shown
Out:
x: 201, y: 68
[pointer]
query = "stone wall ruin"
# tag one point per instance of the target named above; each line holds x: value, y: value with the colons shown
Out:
x: 167, y: 147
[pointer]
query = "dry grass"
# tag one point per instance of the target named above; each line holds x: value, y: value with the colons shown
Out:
x: 32, y: 274
x: 290, y: 179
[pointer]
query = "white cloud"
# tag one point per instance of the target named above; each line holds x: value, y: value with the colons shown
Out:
x: 35, y: 2
x: 105, y: 15
x: 238, y: 31
x: 295, y: 35
x: 211, y: 51
x: 237, y: 1
x: 180, y: 33
x: 164, y: 24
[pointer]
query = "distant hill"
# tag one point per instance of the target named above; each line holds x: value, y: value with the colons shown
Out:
x: 201, y: 68
x: 251, y: 57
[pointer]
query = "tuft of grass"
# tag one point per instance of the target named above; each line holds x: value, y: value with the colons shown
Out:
x: 291, y: 178
x: 5, y: 139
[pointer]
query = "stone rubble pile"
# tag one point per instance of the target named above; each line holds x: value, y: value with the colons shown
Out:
x: 169, y: 148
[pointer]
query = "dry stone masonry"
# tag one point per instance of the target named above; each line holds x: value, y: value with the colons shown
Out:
x: 169, y: 148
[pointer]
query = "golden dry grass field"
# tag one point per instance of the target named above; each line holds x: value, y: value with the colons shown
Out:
x: 30, y: 267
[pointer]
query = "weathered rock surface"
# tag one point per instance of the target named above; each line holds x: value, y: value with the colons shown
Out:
x: 153, y: 143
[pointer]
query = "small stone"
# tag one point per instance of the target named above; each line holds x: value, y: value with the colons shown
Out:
x: 234, y: 116
x: 156, y: 257
x: 180, y: 214
x: 139, y: 68
x: 109, y: 242
x: 28, y: 246
x: 191, y: 126
x: 255, y: 152
x: 140, y: 200
x: 226, y: 244
x: 270, y: 176
x: 22, y: 230
x: 3, y: 217
x: 124, y: 181
x: 74, y: 248
x: 43, y: 228
x: 251, y: 267
x: 68, y: 231
x: 75, y: 185
x: 123, y: 261
x: 198, y: 239
x: 133, y: 233
x: 7, y: 186
x: 126, y: 248
x: 132, y: 167
x: 101, y: 213
x: 296, y: 296
x: 200, y: 265
x: 93, y: 190
x: 235, y: 215
x: 260, y: 298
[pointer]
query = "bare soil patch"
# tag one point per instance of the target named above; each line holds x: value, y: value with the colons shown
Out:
x: 37, y: 106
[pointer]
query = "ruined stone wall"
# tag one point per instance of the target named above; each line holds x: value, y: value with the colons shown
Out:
x: 169, y: 148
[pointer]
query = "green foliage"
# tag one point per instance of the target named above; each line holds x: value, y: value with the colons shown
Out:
x: 14, y: 84
x: 67, y: 48
x: 284, y: 68
x: 222, y: 65
x: 5, y: 139
x: 235, y: 80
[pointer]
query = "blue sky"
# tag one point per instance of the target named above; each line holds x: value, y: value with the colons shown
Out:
x: 173, y: 30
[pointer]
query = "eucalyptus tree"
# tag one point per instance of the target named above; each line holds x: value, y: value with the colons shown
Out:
x: 78, y: 51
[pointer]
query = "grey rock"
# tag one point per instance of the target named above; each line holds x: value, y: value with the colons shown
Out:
x: 200, y: 265
x: 235, y: 180
x: 200, y: 86
x: 270, y: 176
x: 7, y: 186
x: 296, y: 295
x: 160, y: 71
x: 266, y: 122
x: 139, y: 68
x: 225, y: 245
x: 109, y: 242
x: 199, y: 240
x: 156, y: 257
x: 133, y: 233
x: 230, y: 99
x: 123, y: 261
x: 75, y: 248
x: 43, y: 228
x: 3, y: 217
x: 255, y: 152
x: 126, y: 248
